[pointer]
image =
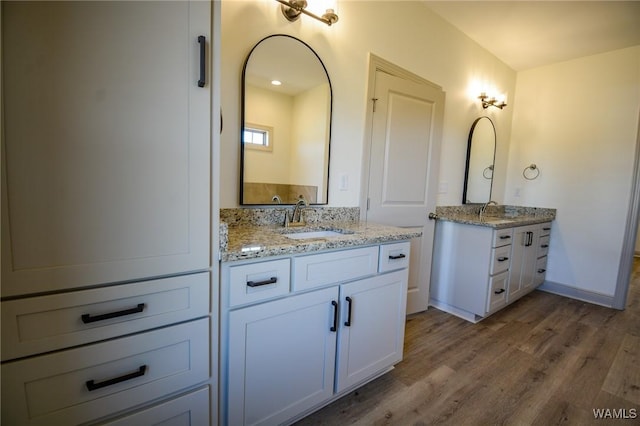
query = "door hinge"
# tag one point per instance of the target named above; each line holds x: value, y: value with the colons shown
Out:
x: 368, y: 203
x: 374, y: 103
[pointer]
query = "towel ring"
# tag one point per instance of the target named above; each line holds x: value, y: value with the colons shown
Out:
x: 484, y: 172
x: 534, y: 169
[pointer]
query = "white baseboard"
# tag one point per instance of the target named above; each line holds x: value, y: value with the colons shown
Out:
x: 577, y: 293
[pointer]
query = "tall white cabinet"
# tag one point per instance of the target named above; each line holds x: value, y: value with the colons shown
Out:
x: 106, y: 143
x: 106, y: 210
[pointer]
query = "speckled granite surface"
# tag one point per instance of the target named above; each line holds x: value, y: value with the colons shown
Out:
x: 250, y: 236
x: 275, y: 215
x: 498, y: 217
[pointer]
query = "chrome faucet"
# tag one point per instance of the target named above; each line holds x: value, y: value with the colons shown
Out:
x: 484, y: 208
x: 297, y: 210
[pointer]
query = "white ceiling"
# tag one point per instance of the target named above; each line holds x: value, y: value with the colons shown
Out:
x: 529, y: 34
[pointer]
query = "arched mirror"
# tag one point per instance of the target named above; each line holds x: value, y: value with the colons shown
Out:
x: 286, y: 124
x: 481, y: 153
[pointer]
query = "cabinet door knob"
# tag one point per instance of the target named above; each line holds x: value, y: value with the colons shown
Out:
x: 433, y: 216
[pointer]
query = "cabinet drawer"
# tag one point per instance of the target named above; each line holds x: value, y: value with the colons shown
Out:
x: 543, y: 246
x: 45, y: 323
x: 394, y: 256
x: 497, y: 292
x: 541, y: 271
x: 189, y: 409
x: 501, y: 259
x: 253, y: 282
x: 86, y: 383
x: 502, y: 237
x: 340, y: 266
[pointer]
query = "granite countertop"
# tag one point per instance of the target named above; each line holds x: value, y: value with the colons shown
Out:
x: 499, y: 217
x: 247, y: 241
x: 497, y: 222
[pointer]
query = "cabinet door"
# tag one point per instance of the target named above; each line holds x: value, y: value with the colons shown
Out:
x: 281, y: 357
x: 371, y: 327
x: 523, y: 260
x: 106, y: 142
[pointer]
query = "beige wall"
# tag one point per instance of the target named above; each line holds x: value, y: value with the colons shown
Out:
x: 578, y: 121
x: 405, y: 33
x: 271, y: 109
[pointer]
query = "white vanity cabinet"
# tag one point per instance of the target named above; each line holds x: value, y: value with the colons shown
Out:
x: 478, y: 270
x: 340, y: 324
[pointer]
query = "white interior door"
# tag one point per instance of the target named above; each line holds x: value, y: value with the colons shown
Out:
x: 403, y: 171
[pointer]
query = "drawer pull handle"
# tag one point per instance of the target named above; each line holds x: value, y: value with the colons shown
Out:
x: 542, y: 271
x: 334, y: 327
x: 348, y: 321
x: 546, y: 229
x: 505, y: 237
x: 92, y: 385
x: 502, y: 259
x: 271, y: 280
x: 544, y: 245
x: 400, y: 256
x: 499, y: 291
x: 87, y: 318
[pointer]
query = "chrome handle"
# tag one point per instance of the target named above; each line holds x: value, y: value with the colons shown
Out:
x: 433, y: 216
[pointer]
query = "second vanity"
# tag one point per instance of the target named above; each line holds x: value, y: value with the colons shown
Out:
x: 307, y: 317
x: 482, y: 264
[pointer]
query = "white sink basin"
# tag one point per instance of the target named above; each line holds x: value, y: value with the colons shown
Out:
x: 312, y: 234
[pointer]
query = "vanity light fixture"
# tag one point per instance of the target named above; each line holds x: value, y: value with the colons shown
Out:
x: 491, y: 101
x: 291, y: 9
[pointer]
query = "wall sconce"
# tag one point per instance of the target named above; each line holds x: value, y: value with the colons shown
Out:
x: 487, y: 102
x: 291, y: 9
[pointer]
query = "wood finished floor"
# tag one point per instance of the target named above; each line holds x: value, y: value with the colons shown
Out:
x: 545, y: 360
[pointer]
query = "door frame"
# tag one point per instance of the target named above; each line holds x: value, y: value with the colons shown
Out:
x: 376, y: 63
x: 631, y: 233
